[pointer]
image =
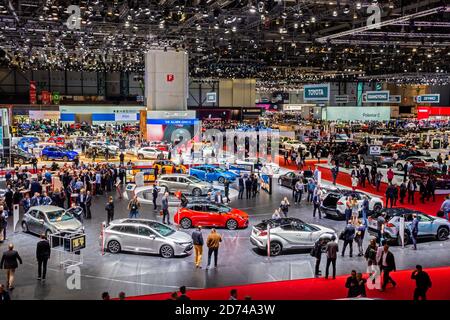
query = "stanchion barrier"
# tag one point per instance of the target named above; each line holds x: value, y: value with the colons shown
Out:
x: 268, y: 241
x: 102, y: 237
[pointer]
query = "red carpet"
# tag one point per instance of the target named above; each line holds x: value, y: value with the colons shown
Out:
x: 321, y: 289
x: 344, y: 179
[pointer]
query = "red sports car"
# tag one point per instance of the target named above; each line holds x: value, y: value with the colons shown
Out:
x: 211, y: 215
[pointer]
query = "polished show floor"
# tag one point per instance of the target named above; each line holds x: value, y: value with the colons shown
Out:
x: 239, y: 261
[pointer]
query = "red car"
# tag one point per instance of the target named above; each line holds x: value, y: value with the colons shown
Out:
x: 59, y: 141
x: 210, y: 215
x: 422, y: 173
x: 131, y: 129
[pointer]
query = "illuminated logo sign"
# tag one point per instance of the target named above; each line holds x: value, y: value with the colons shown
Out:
x: 316, y: 92
x: 170, y: 77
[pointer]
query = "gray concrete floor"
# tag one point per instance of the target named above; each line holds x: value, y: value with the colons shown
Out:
x: 239, y: 262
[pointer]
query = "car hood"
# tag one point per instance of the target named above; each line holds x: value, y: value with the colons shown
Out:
x: 323, y: 229
x: 179, y: 236
x: 72, y: 224
x: 237, y: 212
x: 72, y: 153
x: 441, y: 221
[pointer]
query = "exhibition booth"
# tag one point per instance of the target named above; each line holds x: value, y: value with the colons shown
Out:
x: 99, y: 114
x: 433, y: 113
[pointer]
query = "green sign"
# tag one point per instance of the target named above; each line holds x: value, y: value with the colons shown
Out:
x: 378, y: 87
x: 316, y: 92
x: 56, y: 97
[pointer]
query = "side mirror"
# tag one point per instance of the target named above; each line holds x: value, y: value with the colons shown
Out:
x: 152, y: 237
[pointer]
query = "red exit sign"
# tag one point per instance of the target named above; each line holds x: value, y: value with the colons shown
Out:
x: 170, y: 77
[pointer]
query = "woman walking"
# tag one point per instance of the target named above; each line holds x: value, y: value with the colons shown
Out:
x: 133, y: 206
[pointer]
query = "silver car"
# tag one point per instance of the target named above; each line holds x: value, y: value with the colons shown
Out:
x: 289, y: 233
x: 142, y: 235
x: 185, y: 183
x: 51, y: 219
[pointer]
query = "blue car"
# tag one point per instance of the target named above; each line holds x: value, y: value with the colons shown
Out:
x: 212, y: 173
x: 57, y: 153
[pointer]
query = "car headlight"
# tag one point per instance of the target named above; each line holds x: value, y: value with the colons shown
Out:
x: 184, y: 244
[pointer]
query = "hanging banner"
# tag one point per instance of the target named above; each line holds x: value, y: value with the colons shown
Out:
x: 429, y: 98
x: 45, y: 97
x: 125, y: 116
x: 33, y: 92
x: 44, y: 115
x: 376, y: 96
x: 341, y: 99
x: 316, y: 92
x: 395, y: 98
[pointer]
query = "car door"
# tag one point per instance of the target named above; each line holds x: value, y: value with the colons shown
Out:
x: 425, y: 226
x: 303, y: 234
x: 129, y: 237
x: 148, y: 240
x: 211, y: 174
x: 182, y: 184
x: 40, y: 222
x: 213, y: 217
x: 289, y: 233
x: 32, y: 221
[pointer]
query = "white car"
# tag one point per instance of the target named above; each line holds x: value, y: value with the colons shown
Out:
x: 150, y: 153
x: 333, y: 203
x: 99, y: 144
x: 293, y: 144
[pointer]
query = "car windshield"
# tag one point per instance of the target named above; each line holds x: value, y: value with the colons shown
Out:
x: 194, y: 179
x: 59, y: 215
x: 161, y: 229
x: 224, y: 209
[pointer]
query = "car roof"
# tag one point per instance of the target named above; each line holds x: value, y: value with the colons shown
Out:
x: 185, y: 175
x: 282, y: 221
x: 399, y: 211
x: 47, y: 208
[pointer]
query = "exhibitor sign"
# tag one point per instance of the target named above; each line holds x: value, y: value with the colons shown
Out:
x: 316, y: 92
x: 429, y: 98
x: 376, y: 96
x: 358, y: 113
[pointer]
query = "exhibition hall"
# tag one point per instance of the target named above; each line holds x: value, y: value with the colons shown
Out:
x: 218, y: 150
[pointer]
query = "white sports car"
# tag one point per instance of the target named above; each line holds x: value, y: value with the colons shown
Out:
x: 293, y: 144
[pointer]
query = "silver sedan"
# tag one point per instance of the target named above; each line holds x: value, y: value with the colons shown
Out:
x: 289, y: 233
x: 142, y: 235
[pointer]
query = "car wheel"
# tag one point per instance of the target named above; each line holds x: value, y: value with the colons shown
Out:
x: 25, y: 227
x: 114, y: 246
x: 377, y: 208
x: 197, y: 192
x: 221, y: 180
x: 140, y: 156
x: 231, y: 224
x: 442, y: 234
x: 166, y: 251
x: 186, y: 223
x: 399, y: 167
x: 44, y: 158
x: 275, y: 248
x: 65, y: 159
x: 47, y: 234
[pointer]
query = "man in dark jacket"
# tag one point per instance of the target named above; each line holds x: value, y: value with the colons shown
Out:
x: 197, y: 239
x: 9, y: 263
x: 165, y: 208
x: 423, y: 283
x: 349, y: 235
x: 155, y: 192
x: 35, y: 187
x: 42, y: 256
x: 248, y: 188
x: 352, y: 285
x: 331, y: 249
x: 317, y: 253
x: 387, y: 265
x: 241, y: 187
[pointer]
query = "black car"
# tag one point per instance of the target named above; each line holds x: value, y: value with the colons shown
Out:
x: 341, y: 158
x: 288, y: 179
x: 100, y: 151
x: 406, y: 153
